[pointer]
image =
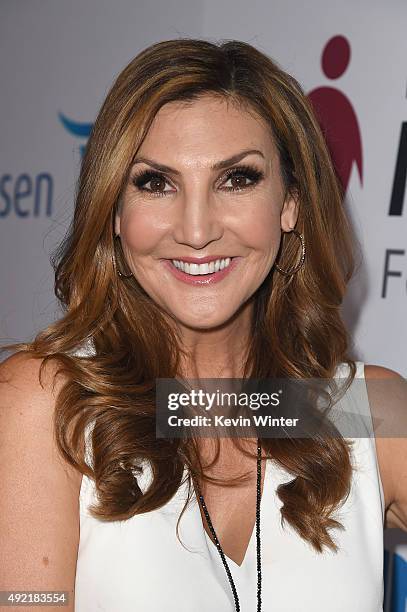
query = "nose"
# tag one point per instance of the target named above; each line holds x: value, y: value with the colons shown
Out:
x: 198, y: 221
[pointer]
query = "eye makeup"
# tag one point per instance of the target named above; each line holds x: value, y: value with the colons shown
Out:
x: 244, y: 171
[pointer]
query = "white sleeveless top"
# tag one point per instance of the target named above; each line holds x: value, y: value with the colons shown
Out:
x: 139, y: 565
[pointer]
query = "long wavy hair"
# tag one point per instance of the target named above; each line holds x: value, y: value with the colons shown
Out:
x: 297, y: 329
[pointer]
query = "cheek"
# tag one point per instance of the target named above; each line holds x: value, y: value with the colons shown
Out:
x: 265, y: 234
x: 141, y: 230
x: 260, y: 227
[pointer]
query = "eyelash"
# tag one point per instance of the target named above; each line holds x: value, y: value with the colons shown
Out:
x: 249, y: 172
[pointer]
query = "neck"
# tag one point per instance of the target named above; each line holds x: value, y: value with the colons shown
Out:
x: 219, y: 352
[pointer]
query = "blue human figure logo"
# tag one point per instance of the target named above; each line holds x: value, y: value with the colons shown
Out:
x: 335, y: 112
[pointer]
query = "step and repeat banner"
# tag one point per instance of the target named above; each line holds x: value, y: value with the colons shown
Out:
x: 57, y: 62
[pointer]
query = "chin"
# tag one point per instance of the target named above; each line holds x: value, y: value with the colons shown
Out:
x: 203, y: 321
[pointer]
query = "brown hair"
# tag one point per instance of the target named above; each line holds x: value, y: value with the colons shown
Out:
x: 297, y: 327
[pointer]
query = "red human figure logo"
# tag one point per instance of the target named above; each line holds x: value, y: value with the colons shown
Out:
x: 335, y: 112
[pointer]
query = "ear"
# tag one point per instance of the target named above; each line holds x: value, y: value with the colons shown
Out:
x: 289, y: 212
x: 117, y: 221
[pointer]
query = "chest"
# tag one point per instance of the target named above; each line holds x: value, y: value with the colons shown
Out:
x: 232, y: 509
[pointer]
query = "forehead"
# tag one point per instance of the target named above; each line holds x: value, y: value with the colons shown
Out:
x: 209, y: 127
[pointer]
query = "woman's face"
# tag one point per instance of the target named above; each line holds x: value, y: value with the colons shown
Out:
x: 205, y: 187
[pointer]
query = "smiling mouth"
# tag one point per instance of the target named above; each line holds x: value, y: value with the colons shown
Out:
x: 204, y: 269
x: 202, y: 274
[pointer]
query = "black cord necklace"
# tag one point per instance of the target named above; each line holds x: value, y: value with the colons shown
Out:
x: 258, y: 541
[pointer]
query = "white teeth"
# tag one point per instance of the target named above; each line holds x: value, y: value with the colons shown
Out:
x: 206, y: 268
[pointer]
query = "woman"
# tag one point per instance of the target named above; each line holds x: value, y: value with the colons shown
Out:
x: 208, y: 240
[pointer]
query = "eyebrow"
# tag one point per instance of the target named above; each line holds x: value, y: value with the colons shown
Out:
x: 220, y: 165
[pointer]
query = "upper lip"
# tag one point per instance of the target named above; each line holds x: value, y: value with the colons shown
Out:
x: 201, y: 260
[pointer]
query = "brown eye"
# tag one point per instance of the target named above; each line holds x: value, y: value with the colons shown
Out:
x: 157, y: 184
x: 242, y: 177
x: 238, y: 181
x: 152, y: 183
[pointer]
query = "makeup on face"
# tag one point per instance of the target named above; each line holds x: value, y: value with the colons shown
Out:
x: 201, y: 217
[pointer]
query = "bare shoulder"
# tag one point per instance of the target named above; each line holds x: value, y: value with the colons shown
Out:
x: 20, y: 373
x: 28, y: 392
x: 39, y: 505
x: 377, y: 371
x: 392, y: 451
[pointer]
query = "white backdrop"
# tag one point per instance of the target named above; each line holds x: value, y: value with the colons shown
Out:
x: 61, y: 57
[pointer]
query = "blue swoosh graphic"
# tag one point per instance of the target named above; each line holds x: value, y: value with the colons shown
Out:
x: 74, y: 127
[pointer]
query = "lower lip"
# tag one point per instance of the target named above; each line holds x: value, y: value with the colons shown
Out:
x: 201, y: 279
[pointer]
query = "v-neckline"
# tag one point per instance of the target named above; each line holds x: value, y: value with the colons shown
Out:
x: 212, y: 544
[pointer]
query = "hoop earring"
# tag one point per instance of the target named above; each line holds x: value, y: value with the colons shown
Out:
x: 117, y: 267
x: 289, y: 272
